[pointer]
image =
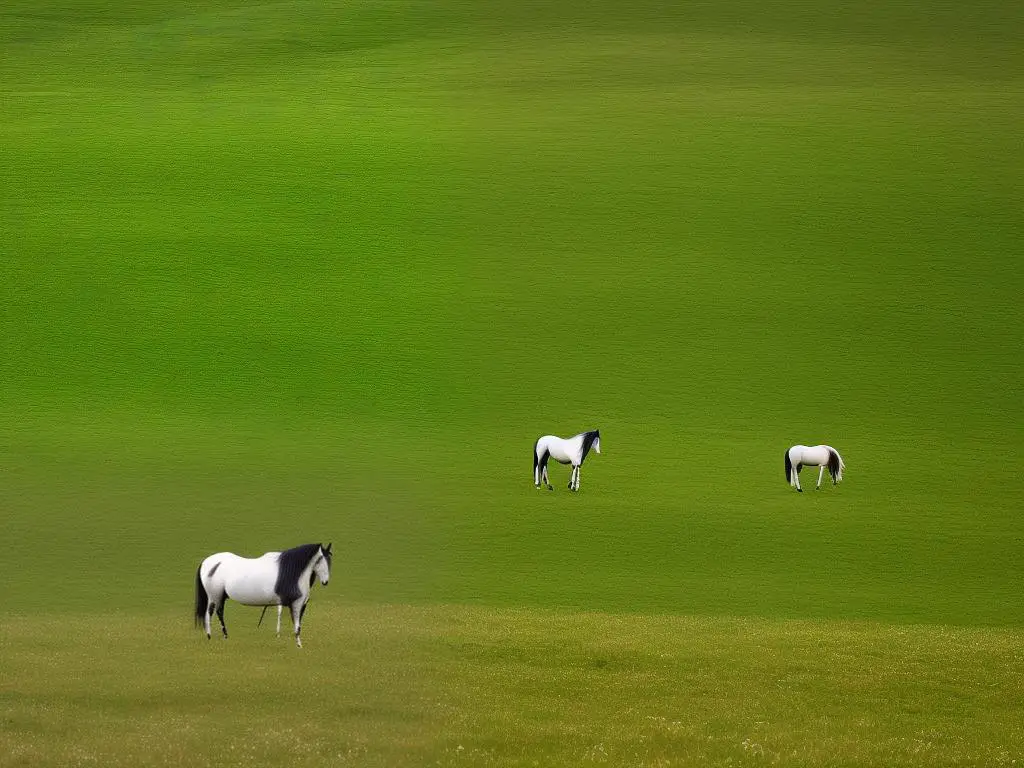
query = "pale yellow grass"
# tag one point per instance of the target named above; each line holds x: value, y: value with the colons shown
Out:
x: 449, y: 685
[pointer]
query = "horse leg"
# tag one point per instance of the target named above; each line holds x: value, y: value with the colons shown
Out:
x: 279, y: 609
x: 540, y: 471
x: 220, y: 615
x: 821, y: 473
x: 296, y: 611
x: 207, y: 616
x: 796, y: 477
x: 547, y: 481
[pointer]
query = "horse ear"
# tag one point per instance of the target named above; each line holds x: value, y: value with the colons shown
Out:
x: 328, y: 550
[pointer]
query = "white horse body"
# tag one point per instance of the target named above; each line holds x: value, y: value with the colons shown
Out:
x: 563, y: 451
x: 813, y: 456
x: 572, y: 450
x: 823, y: 456
x: 247, y: 580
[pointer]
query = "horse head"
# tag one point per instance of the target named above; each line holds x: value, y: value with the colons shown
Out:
x: 322, y: 566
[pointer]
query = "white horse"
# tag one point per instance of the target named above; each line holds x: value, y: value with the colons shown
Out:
x: 571, y: 450
x: 276, y: 578
x: 817, y: 456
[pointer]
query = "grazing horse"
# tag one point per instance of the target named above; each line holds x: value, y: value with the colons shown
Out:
x: 571, y: 450
x: 276, y: 578
x: 818, y: 456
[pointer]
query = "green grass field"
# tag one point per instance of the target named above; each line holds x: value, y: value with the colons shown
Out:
x: 284, y: 272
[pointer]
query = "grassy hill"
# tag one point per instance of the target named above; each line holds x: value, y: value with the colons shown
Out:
x: 295, y: 271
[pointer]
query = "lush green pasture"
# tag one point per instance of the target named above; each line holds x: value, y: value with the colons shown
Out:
x: 282, y: 272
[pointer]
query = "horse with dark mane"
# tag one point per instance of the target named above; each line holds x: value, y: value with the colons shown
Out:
x: 572, y: 450
x: 276, y: 578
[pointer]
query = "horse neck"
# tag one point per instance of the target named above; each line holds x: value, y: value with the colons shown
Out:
x: 302, y: 576
x: 309, y: 572
x: 587, y: 440
x: 304, y: 580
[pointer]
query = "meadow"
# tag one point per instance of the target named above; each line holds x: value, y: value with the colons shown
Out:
x: 322, y: 271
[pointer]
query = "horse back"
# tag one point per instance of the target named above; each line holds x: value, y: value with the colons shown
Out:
x: 564, y: 451
x: 814, y: 456
x: 550, y: 446
x: 543, y: 443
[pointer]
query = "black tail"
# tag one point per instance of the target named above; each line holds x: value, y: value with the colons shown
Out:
x: 789, y: 469
x: 202, y: 600
x: 833, y: 465
x: 535, y: 456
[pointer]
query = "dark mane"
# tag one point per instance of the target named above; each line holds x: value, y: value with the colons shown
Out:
x: 291, y: 563
x: 588, y: 440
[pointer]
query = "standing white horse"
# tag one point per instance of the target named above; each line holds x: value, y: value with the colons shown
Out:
x: 276, y: 578
x: 822, y: 456
x: 571, y: 450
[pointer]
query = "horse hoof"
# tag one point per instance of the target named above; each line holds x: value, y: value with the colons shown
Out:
x: 799, y: 490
